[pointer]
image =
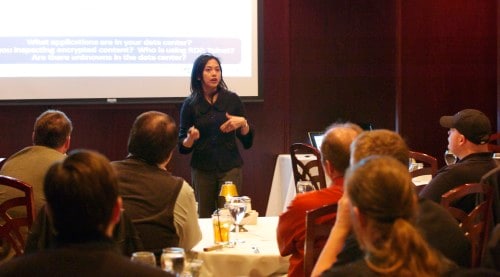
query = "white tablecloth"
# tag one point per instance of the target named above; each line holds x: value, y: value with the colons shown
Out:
x: 422, y: 180
x: 283, y: 184
x: 242, y: 259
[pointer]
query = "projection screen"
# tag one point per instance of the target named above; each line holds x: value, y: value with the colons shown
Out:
x: 111, y: 51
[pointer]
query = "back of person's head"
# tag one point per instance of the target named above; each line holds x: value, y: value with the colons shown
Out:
x: 197, y: 74
x: 153, y: 137
x: 52, y: 128
x: 380, y: 191
x: 81, y: 192
x: 380, y: 142
x: 335, y: 145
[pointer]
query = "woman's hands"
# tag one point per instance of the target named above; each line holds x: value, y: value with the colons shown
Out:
x: 193, y: 135
x: 234, y: 122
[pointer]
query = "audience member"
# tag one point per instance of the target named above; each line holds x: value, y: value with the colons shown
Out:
x: 291, y: 225
x: 381, y: 203
x: 51, y: 139
x: 42, y: 235
x: 162, y: 206
x: 467, y: 139
x: 83, y: 202
x: 437, y: 226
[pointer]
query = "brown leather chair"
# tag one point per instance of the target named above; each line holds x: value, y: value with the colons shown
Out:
x: 475, y: 224
x: 311, y: 170
x: 11, y: 228
x: 319, y: 223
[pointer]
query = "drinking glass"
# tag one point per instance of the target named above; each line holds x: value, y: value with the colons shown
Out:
x: 237, y: 206
x: 144, y: 257
x: 221, y: 222
x: 172, y: 260
x: 305, y: 186
x: 449, y: 157
x: 193, y: 268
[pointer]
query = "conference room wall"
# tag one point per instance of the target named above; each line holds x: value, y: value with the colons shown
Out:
x: 364, y: 61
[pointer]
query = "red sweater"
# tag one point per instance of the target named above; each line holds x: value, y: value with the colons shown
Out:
x: 292, y: 223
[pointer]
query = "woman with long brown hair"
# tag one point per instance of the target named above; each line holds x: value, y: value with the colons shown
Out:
x: 382, y: 204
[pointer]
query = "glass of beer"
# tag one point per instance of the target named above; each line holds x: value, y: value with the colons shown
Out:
x: 221, y: 221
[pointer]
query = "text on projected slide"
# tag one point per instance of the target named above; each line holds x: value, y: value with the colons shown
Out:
x: 78, y: 50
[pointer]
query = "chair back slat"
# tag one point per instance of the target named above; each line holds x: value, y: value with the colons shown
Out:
x: 430, y: 164
x: 311, y: 169
x: 474, y: 224
x: 10, y: 226
x: 319, y: 223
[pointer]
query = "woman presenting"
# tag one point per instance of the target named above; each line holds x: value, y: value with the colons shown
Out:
x: 211, y: 119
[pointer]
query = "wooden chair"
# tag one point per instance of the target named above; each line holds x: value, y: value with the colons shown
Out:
x: 318, y: 226
x: 493, y: 143
x: 475, y: 224
x: 10, y: 227
x: 311, y: 170
x: 430, y: 166
x: 492, y: 178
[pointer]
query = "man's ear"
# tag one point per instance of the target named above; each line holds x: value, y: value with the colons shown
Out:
x: 67, y: 143
x: 117, y: 210
x: 328, y: 168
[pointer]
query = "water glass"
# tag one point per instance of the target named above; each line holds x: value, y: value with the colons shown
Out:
x: 172, y: 260
x: 305, y: 186
x: 237, y: 206
x: 144, y: 257
x: 193, y: 268
x: 449, y: 157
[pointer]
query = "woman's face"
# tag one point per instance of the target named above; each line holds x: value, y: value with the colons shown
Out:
x: 211, y: 76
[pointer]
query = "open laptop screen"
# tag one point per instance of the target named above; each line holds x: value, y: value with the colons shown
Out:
x: 316, y: 138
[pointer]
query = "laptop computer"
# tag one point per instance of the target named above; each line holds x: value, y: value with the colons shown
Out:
x: 316, y: 138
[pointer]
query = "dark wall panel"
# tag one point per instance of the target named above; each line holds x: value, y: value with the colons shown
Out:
x: 449, y: 51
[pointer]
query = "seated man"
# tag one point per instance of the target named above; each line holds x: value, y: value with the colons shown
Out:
x: 161, y: 206
x: 83, y: 202
x: 437, y: 226
x: 291, y: 225
x: 468, y: 140
x: 51, y: 139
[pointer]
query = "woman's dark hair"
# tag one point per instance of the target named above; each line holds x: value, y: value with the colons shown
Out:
x: 197, y: 74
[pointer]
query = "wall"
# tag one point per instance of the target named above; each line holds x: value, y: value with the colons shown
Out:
x: 323, y: 61
x: 448, y: 57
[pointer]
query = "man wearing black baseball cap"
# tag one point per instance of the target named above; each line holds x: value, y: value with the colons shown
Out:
x: 469, y: 131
